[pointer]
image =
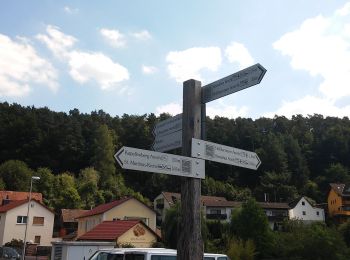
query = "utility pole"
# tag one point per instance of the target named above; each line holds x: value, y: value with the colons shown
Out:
x: 190, y: 243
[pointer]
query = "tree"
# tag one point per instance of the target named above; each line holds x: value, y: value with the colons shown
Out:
x: 88, y: 188
x: 170, y: 226
x: 66, y: 194
x: 250, y: 223
x: 45, y: 185
x: 16, y: 175
x: 102, y: 159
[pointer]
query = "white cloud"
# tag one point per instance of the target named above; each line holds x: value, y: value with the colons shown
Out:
x: 142, y: 35
x: 113, y: 37
x: 70, y: 10
x: 96, y: 66
x: 344, y: 11
x: 187, y: 64
x: 320, y: 46
x: 84, y: 66
x: 228, y: 111
x: 58, y: 42
x: 172, y: 109
x: 237, y: 52
x: 310, y: 105
x: 147, y: 70
x: 20, y: 66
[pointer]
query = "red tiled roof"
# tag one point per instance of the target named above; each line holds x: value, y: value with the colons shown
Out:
x: 103, y: 208
x: 19, y: 195
x: 70, y: 215
x: 232, y: 204
x: 109, y: 230
x: 273, y: 205
x: 172, y: 197
x: 16, y: 203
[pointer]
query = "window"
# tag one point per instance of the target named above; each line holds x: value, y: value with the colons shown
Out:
x: 215, y: 211
x: 21, y: 219
x: 37, y: 239
x: 38, y: 221
x: 304, y: 213
x: 303, y: 203
x: 163, y: 257
x: 317, y: 213
x: 144, y: 220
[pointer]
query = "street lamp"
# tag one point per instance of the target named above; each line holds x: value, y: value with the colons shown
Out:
x: 30, y: 198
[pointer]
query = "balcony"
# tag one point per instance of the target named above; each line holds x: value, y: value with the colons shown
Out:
x: 216, y: 216
x: 344, y: 210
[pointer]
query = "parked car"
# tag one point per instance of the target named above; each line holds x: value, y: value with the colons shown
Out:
x: 9, y: 253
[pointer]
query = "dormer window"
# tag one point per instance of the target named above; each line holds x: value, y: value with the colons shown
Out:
x: 303, y: 203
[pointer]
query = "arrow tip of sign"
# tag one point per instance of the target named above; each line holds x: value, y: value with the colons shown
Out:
x: 117, y: 156
x: 259, y: 162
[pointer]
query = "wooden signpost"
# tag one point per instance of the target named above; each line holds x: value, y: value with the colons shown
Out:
x: 187, y: 130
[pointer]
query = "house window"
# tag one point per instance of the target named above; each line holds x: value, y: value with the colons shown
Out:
x: 144, y: 220
x: 37, y: 239
x: 215, y: 211
x: 21, y: 219
x: 303, y: 203
x: 304, y: 213
x: 317, y: 213
x: 38, y: 221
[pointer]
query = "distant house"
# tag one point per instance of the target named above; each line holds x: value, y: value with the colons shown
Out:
x: 68, y: 223
x: 220, y: 210
x: 302, y: 209
x: 165, y: 200
x: 339, y: 202
x: 8, y: 196
x: 133, y: 232
x: 276, y: 213
x: 13, y: 219
x: 123, y: 209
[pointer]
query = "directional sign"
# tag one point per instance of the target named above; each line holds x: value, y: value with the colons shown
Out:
x: 168, y: 126
x: 224, y: 154
x: 149, y: 161
x: 167, y: 142
x: 233, y: 83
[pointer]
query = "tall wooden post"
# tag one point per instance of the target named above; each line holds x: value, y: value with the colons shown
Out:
x: 190, y: 243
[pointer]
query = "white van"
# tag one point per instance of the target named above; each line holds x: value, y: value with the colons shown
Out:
x: 146, y: 254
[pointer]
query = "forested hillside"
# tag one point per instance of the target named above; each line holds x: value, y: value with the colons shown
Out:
x: 73, y: 153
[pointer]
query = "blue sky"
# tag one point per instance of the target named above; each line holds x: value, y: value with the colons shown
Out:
x: 132, y: 56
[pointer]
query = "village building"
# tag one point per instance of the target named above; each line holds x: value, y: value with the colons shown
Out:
x: 13, y: 220
x: 122, y: 232
x: 302, y: 209
x: 123, y: 209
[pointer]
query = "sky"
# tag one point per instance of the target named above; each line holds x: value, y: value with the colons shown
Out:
x: 132, y: 57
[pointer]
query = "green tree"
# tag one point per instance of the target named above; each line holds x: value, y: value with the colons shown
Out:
x: 45, y: 185
x: 66, y: 194
x: 102, y: 159
x: 16, y: 175
x: 251, y: 223
x: 88, y: 188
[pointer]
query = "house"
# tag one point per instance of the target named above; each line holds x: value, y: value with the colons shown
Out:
x: 220, y: 210
x: 8, y: 196
x: 13, y: 219
x: 302, y: 209
x: 339, y: 202
x: 67, y: 223
x: 165, y: 200
x: 276, y: 213
x: 123, y: 209
x: 134, y: 232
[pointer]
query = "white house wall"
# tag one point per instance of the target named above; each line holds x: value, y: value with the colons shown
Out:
x: 310, y: 212
x: 14, y: 230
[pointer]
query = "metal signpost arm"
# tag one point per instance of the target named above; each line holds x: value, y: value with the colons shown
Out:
x: 190, y: 243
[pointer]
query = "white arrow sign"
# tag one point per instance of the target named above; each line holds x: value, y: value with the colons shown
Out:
x: 167, y: 142
x: 168, y: 126
x: 149, y: 161
x: 233, y: 83
x: 224, y: 154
